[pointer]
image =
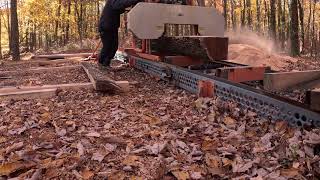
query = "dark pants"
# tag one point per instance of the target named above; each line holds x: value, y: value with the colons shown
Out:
x: 109, y: 38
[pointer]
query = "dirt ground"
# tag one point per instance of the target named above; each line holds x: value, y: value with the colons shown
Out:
x: 155, y: 131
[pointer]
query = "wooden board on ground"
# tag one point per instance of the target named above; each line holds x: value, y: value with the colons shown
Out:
x: 29, y: 94
x: 61, y: 56
x: 101, y: 82
x: 33, y: 92
x: 71, y: 86
x: 292, y: 80
x: 313, y: 99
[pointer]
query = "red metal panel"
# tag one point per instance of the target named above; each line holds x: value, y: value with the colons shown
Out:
x: 205, y: 88
x: 242, y: 74
x: 182, y: 60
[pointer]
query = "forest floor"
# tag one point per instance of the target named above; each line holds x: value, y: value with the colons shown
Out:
x: 155, y: 131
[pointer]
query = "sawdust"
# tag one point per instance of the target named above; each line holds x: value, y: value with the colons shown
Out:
x: 250, y: 55
x: 247, y: 47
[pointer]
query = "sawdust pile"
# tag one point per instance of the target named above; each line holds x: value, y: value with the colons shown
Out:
x: 246, y: 47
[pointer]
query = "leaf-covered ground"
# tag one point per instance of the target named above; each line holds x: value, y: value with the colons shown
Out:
x: 155, y: 131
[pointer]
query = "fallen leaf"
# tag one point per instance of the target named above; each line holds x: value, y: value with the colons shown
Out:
x: 136, y: 178
x: 209, y: 144
x: 45, y: 117
x: 3, y: 139
x: 48, y: 163
x: 212, y: 117
x: 196, y: 175
x: 290, y: 173
x: 157, y: 148
x: 87, y: 174
x: 118, y: 175
x: 131, y: 160
x: 182, y: 145
x: 229, y: 122
x: 36, y: 175
x: 238, y: 167
x: 98, y: 156
x: 93, y: 134
x: 213, y: 161
x: 110, y: 147
x: 296, y: 165
x: 61, y: 132
x: 8, y: 168
x: 181, y: 175
x: 17, y: 131
x: 80, y: 149
x: 14, y: 147
x: 152, y: 120
x: 107, y: 126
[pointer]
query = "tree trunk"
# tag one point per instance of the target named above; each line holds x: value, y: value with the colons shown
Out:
x: 314, y: 46
x: 258, y: 15
x: 243, y: 13
x: 56, y: 38
x: 308, y: 41
x: 0, y: 35
x: 249, y: 13
x: 27, y: 37
x: 14, y: 31
x: 266, y: 17
x: 9, y: 27
x: 283, y: 24
x: 79, y: 20
x: 273, y: 23
x: 294, y: 27
x: 225, y: 13
x: 67, y: 38
x: 233, y: 17
x: 301, y: 16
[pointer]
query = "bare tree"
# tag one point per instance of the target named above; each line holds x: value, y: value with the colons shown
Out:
x: 294, y: 27
x: 14, y: 31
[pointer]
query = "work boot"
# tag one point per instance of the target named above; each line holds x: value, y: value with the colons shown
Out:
x: 105, y: 67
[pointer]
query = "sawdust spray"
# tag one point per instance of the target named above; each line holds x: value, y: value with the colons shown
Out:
x: 246, y: 36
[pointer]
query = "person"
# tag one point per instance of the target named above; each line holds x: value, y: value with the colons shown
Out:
x: 108, y: 28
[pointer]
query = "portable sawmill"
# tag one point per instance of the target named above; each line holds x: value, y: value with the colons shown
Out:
x: 186, y: 45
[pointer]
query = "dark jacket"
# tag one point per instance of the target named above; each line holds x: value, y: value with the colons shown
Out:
x: 110, y: 17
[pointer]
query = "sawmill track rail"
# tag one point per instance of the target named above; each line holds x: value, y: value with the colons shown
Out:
x: 265, y: 104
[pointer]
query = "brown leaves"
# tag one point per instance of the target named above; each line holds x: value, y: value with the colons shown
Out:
x: 152, y: 120
x: 87, y: 174
x: 209, y: 144
x: 229, y: 122
x: 81, y: 149
x: 181, y: 175
x: 93, y: 134
x: 14, y: 147
x: 131, y: 160
x: 8, y: 168
x: 290, y: 173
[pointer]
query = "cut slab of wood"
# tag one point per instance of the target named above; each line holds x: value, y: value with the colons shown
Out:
x: 29, y: 94
x: 313, y: 99
x: 290, y: 80
x: 101, y: 82
x: 61, y: 56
